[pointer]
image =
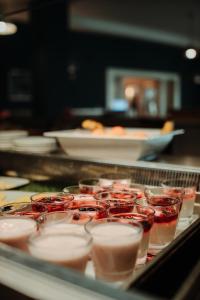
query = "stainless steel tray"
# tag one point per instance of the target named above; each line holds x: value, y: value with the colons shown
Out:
x: 149, y: 283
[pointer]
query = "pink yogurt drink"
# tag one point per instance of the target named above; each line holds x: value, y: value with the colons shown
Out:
x: 69, y: 250
x: 115, y: 249
x: 14, y: 231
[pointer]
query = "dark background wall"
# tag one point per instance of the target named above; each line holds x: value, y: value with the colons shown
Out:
x: 15, y: 52
x: 94, y: 53
x: 91, y: 54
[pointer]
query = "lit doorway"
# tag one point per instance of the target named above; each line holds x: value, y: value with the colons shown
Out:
x: 142, y: 93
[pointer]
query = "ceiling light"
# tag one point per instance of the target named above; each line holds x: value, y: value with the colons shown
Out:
x: 7, y: 28
x: 190, y: 53
x: 130, y: 92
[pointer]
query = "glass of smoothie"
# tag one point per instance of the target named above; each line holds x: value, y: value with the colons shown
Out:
x: 167, y: 210
x: 114, y: 248
x: 114, y: 180
x: 56, y: 217
x: 15, y: 230
x: 186, y: 191
x: 145, y: 216
x: 69, y: 250
x: 62, y: 222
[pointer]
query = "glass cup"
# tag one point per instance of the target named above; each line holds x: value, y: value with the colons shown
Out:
x: 81, y: 199
x: 15, y: 230
x: 69, y: 250
x: 94, y: 208
x: 62, y: 222
x: 137, y: 189
x: 81, y: 219
x: 167, y: 210
x: 89, y: 186
x: 118, y: 201
x: 53, y: 201
x: 56, y: 217
x: 72, y: 189
x: 142, y: 201
x: 145, y: 216
x: 115, y: 248
x: 186, y: 191
x: 77, y: 195
x: 33, y: 211
x: 114, y: 180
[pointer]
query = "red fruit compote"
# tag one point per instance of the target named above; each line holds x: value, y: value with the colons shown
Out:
x: 94, y: 208
x: 135, y: 188
x: 53, y: 201
x: 118, y: 201
x: 33, y: 211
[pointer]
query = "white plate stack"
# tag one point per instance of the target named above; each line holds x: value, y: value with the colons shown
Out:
x: 7, y: 137
x: 35, y: 144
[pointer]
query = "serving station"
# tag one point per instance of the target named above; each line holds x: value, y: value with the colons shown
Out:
x: 172, y: 274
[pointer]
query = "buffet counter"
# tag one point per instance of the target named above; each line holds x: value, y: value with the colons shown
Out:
x: 62, y: 168
x: 172, y: 274
x: 184, y: 160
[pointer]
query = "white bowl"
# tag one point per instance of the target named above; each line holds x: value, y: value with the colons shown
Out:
x: 7, y: 137
x: 11, y: 134
x: 34, y: 141
x: 34, y: 144
x: 82, y: 143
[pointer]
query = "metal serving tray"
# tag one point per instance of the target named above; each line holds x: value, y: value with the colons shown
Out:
x: 168, y: 276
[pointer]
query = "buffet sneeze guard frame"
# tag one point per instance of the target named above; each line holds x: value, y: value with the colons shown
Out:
x: 173, y: 274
